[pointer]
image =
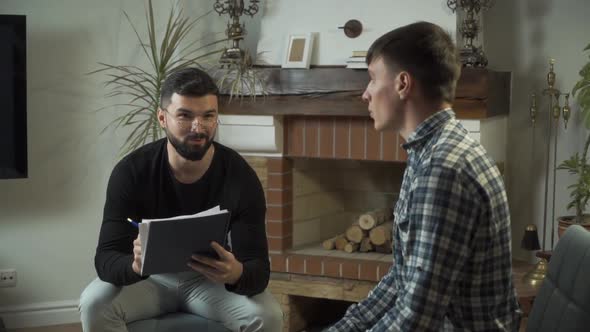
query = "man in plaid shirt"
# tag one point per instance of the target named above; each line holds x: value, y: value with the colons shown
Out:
x: 452, y: 253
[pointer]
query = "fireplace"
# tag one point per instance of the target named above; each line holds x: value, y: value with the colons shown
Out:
x: 329, y: 165
x: 335, y: 168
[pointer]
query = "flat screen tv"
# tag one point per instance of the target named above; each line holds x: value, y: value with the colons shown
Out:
x: 13, y: 96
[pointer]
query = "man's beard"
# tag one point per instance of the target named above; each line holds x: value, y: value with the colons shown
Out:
x: 189, y: 151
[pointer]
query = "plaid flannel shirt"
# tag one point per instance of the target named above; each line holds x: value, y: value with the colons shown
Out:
x: 452, y: 244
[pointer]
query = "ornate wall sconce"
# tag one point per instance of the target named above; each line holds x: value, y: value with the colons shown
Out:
x: 471, y: 56
x: 235, y: 31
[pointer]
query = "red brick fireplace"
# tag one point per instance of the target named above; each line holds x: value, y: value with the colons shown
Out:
x: 324, y: 137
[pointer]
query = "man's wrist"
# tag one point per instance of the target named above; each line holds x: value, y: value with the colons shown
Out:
x: 240, y: 267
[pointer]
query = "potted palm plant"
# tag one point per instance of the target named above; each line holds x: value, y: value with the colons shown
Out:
x: 578, y: 165
x: 167, y: 52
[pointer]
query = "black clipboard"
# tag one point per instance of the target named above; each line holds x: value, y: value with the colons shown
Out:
x: 170, y: 242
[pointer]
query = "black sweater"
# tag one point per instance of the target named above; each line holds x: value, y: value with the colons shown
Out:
x: 142, y: 186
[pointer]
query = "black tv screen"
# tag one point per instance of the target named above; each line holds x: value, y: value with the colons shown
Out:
x: 13, y: 96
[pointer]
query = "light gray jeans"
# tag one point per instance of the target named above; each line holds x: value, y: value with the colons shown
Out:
x: 105, y: 307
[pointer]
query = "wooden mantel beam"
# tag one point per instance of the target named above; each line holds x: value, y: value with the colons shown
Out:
x: 336, y: 91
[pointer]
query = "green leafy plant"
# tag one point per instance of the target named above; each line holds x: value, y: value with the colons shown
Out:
x: 578, y: 165
x: 141, y: 86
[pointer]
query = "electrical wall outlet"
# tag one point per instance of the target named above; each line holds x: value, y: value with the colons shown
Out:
x: 8, y: 278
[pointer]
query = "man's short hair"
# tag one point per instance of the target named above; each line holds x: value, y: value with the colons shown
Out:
x: 425, y: 51
x: 191, y: 82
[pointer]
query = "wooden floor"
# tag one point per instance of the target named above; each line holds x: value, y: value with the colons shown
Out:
x: 55, y: 328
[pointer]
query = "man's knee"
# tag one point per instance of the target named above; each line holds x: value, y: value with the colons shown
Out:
x: 96, y: 295
x: 95, y: 302
x: 270, y: 312
x: 273, y: 318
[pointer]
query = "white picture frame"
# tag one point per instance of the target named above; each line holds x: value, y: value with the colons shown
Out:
x: 298, y: 51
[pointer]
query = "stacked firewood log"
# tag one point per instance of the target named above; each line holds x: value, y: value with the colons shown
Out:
x: 371, y: 231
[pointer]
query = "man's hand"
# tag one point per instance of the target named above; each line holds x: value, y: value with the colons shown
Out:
x: 136, y: 256
x: 226, y: 270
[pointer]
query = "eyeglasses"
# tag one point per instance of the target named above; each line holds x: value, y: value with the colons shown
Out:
x: 190, y: 121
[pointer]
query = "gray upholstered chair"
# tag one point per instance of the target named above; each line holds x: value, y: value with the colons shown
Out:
x: 563, y: 300
x: 176, y: 322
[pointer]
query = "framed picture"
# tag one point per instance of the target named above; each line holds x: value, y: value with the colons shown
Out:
x: 298, y: 51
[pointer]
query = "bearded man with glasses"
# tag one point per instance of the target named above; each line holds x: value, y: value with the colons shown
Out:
x: 184, y: 173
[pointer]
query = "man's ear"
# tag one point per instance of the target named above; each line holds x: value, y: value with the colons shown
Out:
x: 404, y: 84
x: 161, y: 117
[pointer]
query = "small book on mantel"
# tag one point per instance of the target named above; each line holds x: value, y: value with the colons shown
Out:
x: 168, y: 243
x: 357, y: 60
x: 359, y: 54
x: 356, y: 65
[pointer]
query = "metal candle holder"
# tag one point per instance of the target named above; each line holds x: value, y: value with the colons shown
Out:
x: 471, y: 56
x: 235, y: 31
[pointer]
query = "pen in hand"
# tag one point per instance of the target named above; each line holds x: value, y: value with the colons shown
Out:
x: 134, y: 223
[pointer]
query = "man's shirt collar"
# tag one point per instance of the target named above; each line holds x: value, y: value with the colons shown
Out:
x: 428, y: 127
